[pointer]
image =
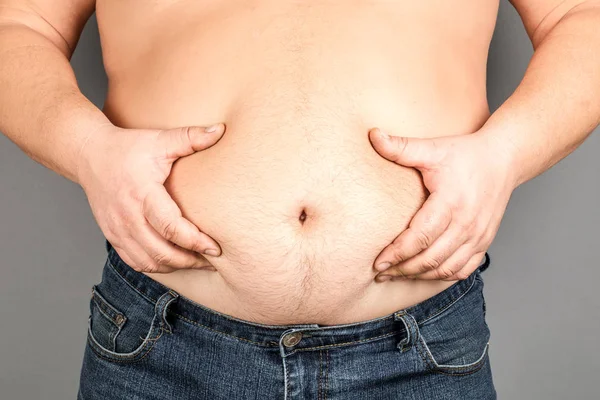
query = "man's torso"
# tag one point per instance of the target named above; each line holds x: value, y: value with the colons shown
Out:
x: 298, y: 85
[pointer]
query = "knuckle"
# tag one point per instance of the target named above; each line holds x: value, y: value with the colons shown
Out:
x: 149, y: 266
x: 110, y: 232
x: 423, y: 239
x: 139, y: 267
x: 393, y: 274
x: 425, y: 267
x: 110, y: 236
x: 487, y: 239
x: 473, y: 240
x: 466, y: 224
x: 401, y: 143
x: 455, y: 203
x: 444, y: 273
x: 480, y: 226
x: 186, y: 134
x: 431, y: 262
x: 398, y: 254
x: 200, y: 248
x: 461, y: 275
x: 118, y: 213
x: 394, y: 270
x: 169, y: 229
x: 162, y: 259
x: 137, y: 194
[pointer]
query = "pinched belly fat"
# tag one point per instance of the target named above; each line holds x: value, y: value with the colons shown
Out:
x: 298, y: 199
x: 300, y: 221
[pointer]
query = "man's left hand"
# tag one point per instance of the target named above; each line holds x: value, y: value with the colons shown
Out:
x: 470, y: 182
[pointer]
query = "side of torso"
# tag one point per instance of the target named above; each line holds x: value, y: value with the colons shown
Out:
x: 298, y: 85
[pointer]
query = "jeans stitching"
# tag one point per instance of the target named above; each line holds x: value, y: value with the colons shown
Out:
x: 102, y: 303
x: 470, y: 365
x: 219, y: 332
x: 445, y: 307
x: 434, y: 314
x: 144, y: 348
x: 326, y: 374
x: 263, y: 345
x: 327, y: 346
x: 423, y: 357
x: 129, y: 284
x: 448, y: 369
x: 111, y: 335
x: 100, y: 352
x: 320, y: 383
x: 287, y: 379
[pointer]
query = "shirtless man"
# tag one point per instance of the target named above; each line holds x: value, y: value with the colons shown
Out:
x: 295, y: 191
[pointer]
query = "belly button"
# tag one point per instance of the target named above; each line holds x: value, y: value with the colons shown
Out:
x: 302, y: 217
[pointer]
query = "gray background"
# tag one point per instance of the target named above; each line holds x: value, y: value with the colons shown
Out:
x: 541, y: 311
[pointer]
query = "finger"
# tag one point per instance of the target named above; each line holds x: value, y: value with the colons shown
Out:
x: 407, y: 151
x: 434, y: 257
x: 426, y: 226
x: 469, y: 267
x: 164, y: 252
x: 136, y: 258
x: 163, y: 214
x: 450, y: 266
x: 180, y: 142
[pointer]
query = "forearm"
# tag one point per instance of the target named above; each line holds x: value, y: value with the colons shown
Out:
x: 41, y: 107
x: 557, y: 104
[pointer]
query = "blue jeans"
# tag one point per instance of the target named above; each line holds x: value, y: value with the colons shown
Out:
x: 145, y: 341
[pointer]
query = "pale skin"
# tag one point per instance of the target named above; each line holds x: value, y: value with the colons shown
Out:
x: 148, y: 222
x: 554, y: 109
x: 162, y: 216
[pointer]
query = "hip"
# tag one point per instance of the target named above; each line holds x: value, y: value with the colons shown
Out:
x: 147, y: 341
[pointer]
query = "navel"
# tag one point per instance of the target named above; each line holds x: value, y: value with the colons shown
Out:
x: 302, y: 216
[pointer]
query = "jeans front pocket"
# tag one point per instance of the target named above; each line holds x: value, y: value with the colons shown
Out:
x: 456, y: 341
x: 123, y: 326
x: 106, y: 321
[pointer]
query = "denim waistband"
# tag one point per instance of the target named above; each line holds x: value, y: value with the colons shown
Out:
x: 314, y: 335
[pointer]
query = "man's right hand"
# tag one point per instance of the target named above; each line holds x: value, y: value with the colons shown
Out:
x: 122, y: 172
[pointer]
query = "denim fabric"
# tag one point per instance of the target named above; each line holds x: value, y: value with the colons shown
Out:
x: 145, y: 341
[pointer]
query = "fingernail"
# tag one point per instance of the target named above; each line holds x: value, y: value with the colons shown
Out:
x: 212, y: 128
x: 383, y: 266
x: 383, y: 278
x: 211, y: 252
x: 383, y: 134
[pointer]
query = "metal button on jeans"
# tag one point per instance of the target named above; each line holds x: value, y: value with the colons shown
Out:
x: 292, y: 339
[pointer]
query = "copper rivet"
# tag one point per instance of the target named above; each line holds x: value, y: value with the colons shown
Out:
x: 292, y: 339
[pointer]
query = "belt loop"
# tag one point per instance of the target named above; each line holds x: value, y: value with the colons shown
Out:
x: 411, y: 327
x: 162, y: 304
x: 485, y: 264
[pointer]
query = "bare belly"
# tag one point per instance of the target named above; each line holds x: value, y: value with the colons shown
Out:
x: 294, y: 193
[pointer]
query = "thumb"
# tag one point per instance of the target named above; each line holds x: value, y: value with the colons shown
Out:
x: 406, y: 151
x: 183, y: 141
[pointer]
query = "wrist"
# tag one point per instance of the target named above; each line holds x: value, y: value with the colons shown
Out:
x: 89, y: 149
x: 505, y: 153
